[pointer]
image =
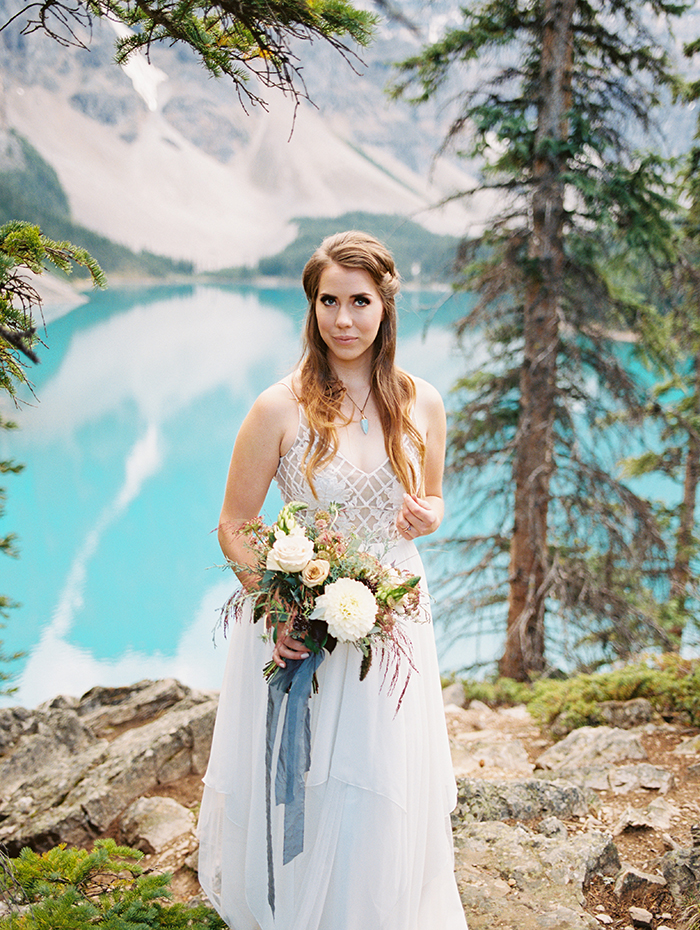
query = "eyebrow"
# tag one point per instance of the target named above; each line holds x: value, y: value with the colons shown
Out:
x: 365, y: 294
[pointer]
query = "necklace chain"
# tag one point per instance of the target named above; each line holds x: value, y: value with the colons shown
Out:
x: 364, y: 422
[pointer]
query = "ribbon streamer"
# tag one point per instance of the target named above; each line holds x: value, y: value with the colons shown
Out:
x: 294, y: 682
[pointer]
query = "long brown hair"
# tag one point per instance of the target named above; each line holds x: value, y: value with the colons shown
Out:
x: 394, y: 390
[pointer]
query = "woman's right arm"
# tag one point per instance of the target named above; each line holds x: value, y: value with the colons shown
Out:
x: 266, y: 432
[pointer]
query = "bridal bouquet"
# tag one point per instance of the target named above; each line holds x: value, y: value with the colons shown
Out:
x: 324, y: 587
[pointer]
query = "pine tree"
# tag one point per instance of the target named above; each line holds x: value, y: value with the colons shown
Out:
x: 560, y: 89
x: 242, y: 40
x: 673, y: 354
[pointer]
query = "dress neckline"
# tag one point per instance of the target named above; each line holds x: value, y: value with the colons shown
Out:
x: 339, y: 454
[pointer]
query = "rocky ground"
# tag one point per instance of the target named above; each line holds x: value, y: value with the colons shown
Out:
x: 599, y: 828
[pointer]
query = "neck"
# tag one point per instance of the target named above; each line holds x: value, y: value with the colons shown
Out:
x: 355, y: 376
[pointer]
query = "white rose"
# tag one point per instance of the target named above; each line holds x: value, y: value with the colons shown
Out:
x: 290, y: 553
x: 348, y: 607
x: 315, y: 572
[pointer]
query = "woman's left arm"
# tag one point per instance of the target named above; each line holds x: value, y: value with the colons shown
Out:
x: 420, y: 516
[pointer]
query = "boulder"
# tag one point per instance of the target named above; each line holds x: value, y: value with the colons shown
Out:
x: 681, y: 869
x: 592, y: 746
x: 488, y: 755
x: 626, y: 778
x: 627, y: 714
x: 689, y: 747
x: 541, y: 879
x: 65, y: 784
x: 657, y: 815
x: 150, y: 824
x: 630, y: 880
x: 106, y: 709
x: 480, y: 801
x: 454, y: 694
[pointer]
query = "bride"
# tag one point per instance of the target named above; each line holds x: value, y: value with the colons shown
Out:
x: 348, y: 427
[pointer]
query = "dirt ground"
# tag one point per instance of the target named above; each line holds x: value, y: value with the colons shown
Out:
x: 641, y: 848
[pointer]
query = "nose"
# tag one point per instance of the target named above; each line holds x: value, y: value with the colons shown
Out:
x: 343, y: 318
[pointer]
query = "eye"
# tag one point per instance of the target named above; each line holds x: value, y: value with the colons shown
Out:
x: 327, y: 300
x: 362, y: 301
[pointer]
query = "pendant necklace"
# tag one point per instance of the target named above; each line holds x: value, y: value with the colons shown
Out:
x: 364, y: 422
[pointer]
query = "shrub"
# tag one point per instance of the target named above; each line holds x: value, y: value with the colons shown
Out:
x: 671, y: 684
x: 71, y: 889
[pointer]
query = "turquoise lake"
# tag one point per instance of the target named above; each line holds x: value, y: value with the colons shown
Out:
x: 139, y: 396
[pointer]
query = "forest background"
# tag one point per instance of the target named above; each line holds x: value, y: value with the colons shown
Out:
x: 591, y: 232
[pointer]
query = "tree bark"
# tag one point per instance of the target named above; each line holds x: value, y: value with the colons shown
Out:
x: 524, y: 653
x: 680, y: 573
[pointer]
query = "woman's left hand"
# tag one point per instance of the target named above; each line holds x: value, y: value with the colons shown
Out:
x: 417, y: 517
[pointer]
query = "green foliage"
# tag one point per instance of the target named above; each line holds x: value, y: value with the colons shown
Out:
x: 254, y: 38
x: 496, y: 692
x: 71, y: 889
x: 23, y: 246
x: 557, y: 270
x: 671, y: 684
x: 32, y: 191
x: 8, y: 546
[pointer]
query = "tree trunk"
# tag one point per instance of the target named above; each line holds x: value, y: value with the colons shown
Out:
x: 524, y: 652
x: 680, y: 573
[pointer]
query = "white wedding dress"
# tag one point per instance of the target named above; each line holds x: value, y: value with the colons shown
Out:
x: 378, y: 844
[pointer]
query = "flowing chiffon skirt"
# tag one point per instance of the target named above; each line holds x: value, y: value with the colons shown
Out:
x: 378, y: 849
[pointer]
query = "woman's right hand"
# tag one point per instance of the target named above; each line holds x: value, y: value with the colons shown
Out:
x: 287, y: 648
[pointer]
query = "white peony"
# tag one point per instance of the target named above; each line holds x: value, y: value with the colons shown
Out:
x: 290, y: 553
x: 349, y: 609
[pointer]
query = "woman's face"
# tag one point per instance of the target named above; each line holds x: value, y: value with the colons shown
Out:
x: 349, y: 311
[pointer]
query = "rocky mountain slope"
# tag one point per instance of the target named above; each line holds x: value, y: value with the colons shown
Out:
x: 159, y: 156
x: 602, y: 828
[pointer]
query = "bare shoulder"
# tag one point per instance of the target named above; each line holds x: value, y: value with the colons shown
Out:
x: 428, y: 399
x: 274, y: 417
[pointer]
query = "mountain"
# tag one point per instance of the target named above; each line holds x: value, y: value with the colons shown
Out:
x: 160, y: 157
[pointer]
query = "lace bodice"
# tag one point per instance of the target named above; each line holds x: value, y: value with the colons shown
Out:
x: 371, y: 500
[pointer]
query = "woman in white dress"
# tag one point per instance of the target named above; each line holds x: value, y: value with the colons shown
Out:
x: 347, y: 427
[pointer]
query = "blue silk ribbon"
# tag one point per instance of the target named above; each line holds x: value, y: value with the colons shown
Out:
x: 295, y: 682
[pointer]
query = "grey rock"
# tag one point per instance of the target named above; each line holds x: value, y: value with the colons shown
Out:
x: 631, y: 879
x: 591, y: 746
x: 627, y: 714
x: 479, y: 801
x: 553, y: 828
x: 105, y: 108
x: 657, y: 815
x: 681, y: 869
x: 106, y: 709
x: 489, y: 754
x: 14, y: 723
x: 150, y: 824
x: 454, y: 694
x: 72, y: 784
x: 689, y: 747
x: 626, y: 778
x: 641, y: 917
x: 547, y: 875
x: 53, y: 738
